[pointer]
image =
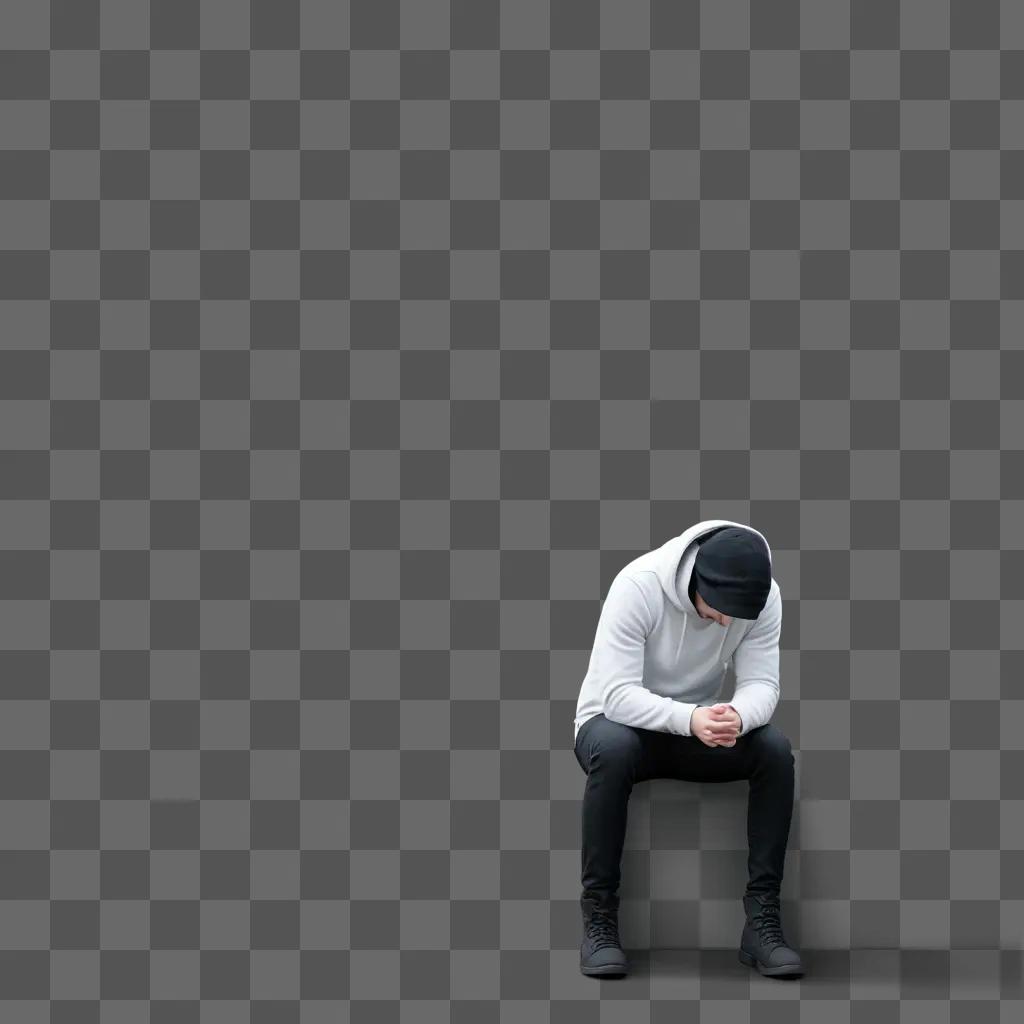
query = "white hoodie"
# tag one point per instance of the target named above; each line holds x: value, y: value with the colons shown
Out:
x: 655, y: 658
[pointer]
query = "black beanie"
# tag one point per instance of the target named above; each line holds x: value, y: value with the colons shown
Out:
x: 733, y: 572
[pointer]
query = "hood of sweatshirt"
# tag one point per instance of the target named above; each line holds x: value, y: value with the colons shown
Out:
x: 673, y: 561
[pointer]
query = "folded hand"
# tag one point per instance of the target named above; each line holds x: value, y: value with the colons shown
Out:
x: 716, y: 726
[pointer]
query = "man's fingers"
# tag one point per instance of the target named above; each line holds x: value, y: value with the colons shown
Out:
x: 720, y: 728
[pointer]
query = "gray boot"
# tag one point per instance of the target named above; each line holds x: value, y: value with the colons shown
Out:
x: 763, y: 945
x: 600, y: 952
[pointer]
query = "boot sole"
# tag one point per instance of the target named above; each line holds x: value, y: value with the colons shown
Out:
x: 783, y: 971
x: 613, y: 970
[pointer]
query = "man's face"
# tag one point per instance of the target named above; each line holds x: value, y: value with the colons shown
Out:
x: 705, y: 611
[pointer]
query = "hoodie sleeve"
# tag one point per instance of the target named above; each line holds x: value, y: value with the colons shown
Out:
x: 756, y: 662
x: 618, y: 663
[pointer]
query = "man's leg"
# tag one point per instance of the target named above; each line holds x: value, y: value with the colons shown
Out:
x: 764, y: 757
x: 763, y: 943
x: 769, y: 807
x: 614, y: 756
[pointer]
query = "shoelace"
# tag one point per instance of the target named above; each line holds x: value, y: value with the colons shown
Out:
x: 769, y: 927
x: 603, y: 930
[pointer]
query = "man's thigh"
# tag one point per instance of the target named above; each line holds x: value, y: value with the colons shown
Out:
x: 662, y: 755
x: 617, y: 747
x: 691, y: 760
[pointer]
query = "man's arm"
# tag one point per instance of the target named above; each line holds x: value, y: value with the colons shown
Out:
x: 618, y: 661
x: 756, y: 662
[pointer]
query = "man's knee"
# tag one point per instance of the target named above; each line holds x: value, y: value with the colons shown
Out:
x: 613, y: 745
x: 772, y: 742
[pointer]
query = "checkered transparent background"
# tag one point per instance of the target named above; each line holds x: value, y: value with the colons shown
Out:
x: 350, y: 348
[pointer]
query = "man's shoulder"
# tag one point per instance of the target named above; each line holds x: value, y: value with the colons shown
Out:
x: 643, y: 578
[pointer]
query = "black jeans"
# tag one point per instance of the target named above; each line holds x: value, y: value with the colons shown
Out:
x: 615, y: 756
